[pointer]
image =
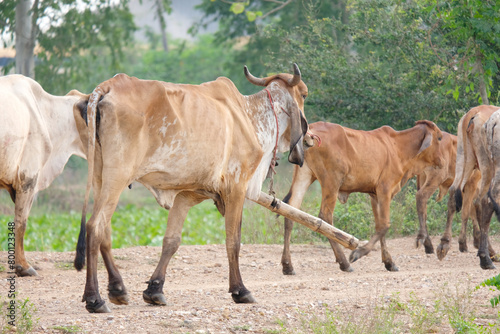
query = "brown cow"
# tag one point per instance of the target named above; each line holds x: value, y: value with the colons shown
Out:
x: 37, y: 137
x: 472, y: 154
x: 186, y: 144
x: 377, y: 162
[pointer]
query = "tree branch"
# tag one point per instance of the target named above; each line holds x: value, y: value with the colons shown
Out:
x: 283, y: 4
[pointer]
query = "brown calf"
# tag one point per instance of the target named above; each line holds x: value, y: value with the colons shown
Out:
x: 432, y: 179
x: 377, y: 162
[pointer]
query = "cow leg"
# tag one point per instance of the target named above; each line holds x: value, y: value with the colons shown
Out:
x: 234, y: 211
x: 468, y: 208
x: 328, y: 201
x: 444, y: 245
x: 476, y: 230
x: 484, y: 215
x: 99, y: 239
x: 381, y: 211
x: 117, y: 293
x: 422, y: 197
x: 302, y: 179
x: 171, y: 242
x: 23, y: 203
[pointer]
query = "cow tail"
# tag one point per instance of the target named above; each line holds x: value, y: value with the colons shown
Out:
x: 91, y: 115
x: 458, y: 199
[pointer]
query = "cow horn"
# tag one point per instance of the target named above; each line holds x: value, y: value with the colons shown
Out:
x: 296, y: 76
x: 254, y: 80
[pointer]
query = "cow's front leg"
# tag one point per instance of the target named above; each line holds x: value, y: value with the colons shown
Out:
x: 171, y: 242
x: 234, y: 212
x: 23, y: 203
x: 302, y: 179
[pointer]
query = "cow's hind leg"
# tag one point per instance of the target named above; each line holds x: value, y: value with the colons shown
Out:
x: 99, y: 239
x: 484, y: 216
x: 116, y: 289
x: 23, y: 203
x: 171, y: 242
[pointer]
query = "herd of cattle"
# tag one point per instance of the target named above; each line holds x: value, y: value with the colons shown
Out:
x: 189, y: 143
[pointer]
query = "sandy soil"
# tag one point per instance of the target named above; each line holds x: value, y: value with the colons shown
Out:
x: 197, y: 283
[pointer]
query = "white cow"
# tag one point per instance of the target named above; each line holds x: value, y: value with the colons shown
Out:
x: 37, y: 136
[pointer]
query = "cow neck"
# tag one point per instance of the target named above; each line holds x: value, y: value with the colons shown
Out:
x: 273, y: 160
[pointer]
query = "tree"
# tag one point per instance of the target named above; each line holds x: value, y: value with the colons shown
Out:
x: 25, y: 39
x: 66, y: 31
x: 464, y: 36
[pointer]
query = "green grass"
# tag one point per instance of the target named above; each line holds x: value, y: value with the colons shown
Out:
x: 452, y: 311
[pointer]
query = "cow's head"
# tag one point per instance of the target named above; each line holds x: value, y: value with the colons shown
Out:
x: 297, y: 89
x: 430, y: 147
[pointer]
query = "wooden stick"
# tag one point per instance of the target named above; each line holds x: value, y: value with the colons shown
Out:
x: 314, y: 223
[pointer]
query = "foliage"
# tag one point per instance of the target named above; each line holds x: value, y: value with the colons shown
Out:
x: 381, y: 73
x: 75, y: 40
x: 25, y: 321
x: 392, y: 314
x: 493, y: 282
x: 465, y: 39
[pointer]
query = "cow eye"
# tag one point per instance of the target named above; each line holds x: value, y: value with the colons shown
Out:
x: 304, y: 96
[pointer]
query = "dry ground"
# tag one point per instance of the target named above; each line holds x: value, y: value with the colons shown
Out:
x: 197, y: 283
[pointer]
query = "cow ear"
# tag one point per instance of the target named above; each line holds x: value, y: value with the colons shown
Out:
x: 297, y: 133
x: 426, y: 142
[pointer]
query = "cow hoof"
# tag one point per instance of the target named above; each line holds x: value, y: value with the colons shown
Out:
x: 462, y: 247
x: 97, y: 307
x: 355, y: 255
x: 118, y: 294
x: 21, y: 272
x: 487, y: 266
x: 391, y: 267
x: 347, y: 269
x: 116, y: 299
x: 429, y: 249
x: 245, y: 299
x: 154, y: 299
x: 442, y: 250
x: 288, y: 271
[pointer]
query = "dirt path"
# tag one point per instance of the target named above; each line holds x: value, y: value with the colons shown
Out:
x: 197, y: 283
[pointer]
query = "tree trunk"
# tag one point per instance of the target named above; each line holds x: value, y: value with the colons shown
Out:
x: 483, y: 92
x: 25, y: 43
x: 160, y: 10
